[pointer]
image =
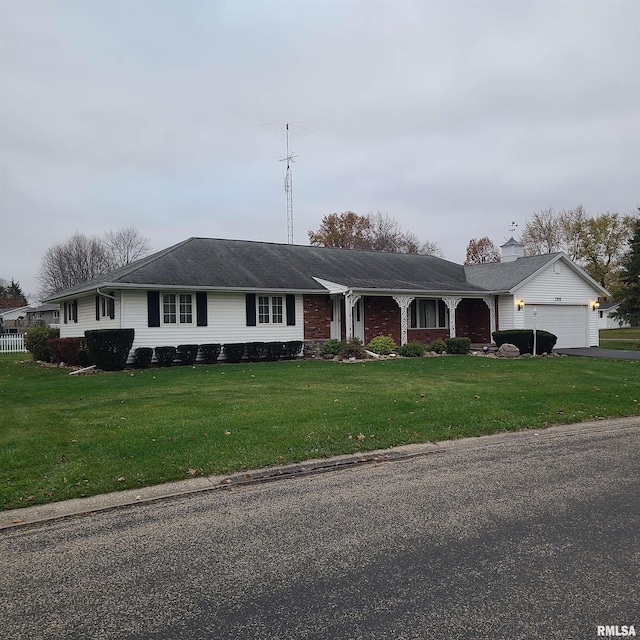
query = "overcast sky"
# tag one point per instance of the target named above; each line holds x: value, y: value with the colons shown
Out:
x: 455, y: 118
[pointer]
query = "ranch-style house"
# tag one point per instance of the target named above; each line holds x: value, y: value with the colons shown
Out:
x: 206, y: 290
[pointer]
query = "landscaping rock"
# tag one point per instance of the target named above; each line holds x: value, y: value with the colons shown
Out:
x: 508, y: 351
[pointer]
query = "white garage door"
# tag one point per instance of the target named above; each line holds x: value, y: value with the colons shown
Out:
x: 567, y: 322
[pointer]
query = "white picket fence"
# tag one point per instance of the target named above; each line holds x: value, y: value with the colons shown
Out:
x: 12, y: 342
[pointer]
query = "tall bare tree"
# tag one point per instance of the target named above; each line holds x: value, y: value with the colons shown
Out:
x: 124, y: 245
x: 81, y: 258
x: 542, y: 233
x: 597, y: 243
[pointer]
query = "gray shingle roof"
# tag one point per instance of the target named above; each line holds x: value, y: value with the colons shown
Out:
x: 242, y: 264
x: 503, y: 276
x: 247, y: 265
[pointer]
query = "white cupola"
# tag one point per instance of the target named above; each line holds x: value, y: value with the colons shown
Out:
x: 511, y: 250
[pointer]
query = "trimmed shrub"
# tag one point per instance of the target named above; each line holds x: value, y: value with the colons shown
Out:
x: 353, y: 348
x: 235, y: 351
x: 187, y: 353
x: 521, y: 338
x: 272, y: 350
x: 36, y: 339
x: 109, y: 348
x: 411, y: 350
x: 458, y: 346
x: 332, y: 347
x: 291, y: 349
x: 210, y: 352
x: 66, y: 350
x: 438, y: 345
x: 142, y: 357
x: 256, y: 351
x: 545, y: 341
x: 83, y: 358
x: 165, y: 356
x: 382, y: 345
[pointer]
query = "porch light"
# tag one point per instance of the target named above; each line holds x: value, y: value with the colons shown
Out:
x: 595, y: 305
x: 519, y: 304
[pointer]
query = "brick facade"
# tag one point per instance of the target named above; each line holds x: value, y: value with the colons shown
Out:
x: 473, y: 320
x: 382, y: 318
x: 317, y: 317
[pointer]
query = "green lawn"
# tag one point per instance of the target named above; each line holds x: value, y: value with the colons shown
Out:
x: 628, y: 338
x: 65, y: 436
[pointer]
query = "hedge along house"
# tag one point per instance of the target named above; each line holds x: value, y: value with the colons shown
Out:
x: 207, y: 290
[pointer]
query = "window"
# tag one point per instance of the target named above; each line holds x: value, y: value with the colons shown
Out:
x: 270, y: 309
x: 169, y: 308
x: 428, y: 314
x: 107, y: 307
x: 186, y: 309
x: 177, y: 308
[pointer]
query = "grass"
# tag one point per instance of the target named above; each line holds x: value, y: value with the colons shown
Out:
x: 628, y: 338
x: 67, y: 436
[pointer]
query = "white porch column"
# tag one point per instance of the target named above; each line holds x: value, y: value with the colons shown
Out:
x: 404, y: 302
x: 490, y: 301
x: 350, y: 301
x: 452, y: 303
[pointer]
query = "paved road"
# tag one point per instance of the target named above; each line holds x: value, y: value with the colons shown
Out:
x: 531, y: 535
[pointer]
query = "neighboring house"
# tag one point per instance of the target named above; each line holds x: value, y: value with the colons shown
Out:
x: 207, y: 290
x: 20, y: 319
x: 605, y: 319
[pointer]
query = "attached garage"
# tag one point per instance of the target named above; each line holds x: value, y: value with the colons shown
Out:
x: 568, y: 322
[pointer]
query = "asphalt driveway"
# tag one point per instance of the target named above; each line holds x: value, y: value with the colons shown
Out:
x: 599, y: 352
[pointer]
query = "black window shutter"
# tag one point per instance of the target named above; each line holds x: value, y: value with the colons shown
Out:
x: 66, y: 307
x: 153, y: 308
x: 251, y: 309
x: 201, y: 308
x: 112, y: 308
x: 97, y: 307
x: 75, y: 311
x: 291, y: 310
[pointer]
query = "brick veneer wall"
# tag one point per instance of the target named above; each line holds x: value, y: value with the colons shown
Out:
x: 317, y: 317
x: 381, y: 318
x: 473, y: 320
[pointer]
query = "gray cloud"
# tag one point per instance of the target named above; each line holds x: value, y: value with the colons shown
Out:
x: 453, y: 117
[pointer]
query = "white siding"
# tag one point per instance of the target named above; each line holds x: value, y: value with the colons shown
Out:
x: 557, y: 284
x: 87, y: 318
x: 506, y: 313
x: 226, y: 322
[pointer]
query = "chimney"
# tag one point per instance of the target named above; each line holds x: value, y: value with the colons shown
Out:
x: 511, y: 250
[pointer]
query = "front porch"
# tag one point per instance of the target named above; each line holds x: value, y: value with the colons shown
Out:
x: 405, y: 318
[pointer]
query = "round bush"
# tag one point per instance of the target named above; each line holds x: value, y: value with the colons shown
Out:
x: 353, y: 348
x: 142, y: 357
x: 439, y: 346
x: 411, y: 350
x: 36, y: 340
x: 382, y: 345
x: 331, y: 347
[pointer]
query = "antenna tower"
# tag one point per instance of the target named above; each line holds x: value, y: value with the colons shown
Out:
x: 288, y: 187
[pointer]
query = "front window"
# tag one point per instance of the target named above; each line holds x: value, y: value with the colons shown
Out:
x: 177, y: 308
x: 270, y: 309
x: 428, y: 314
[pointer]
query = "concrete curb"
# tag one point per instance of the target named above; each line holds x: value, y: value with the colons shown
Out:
x: 171, y: 490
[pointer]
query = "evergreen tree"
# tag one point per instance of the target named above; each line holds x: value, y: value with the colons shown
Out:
x: 628, y: 294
